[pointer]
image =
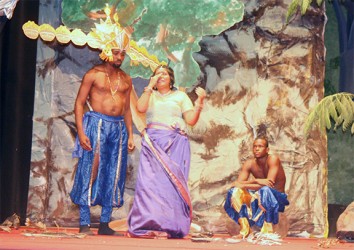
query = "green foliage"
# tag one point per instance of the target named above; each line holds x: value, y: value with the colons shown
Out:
x: 83, y: 14
x: 169, y: 29
x: 338, y: 107
x: 302, y: 4
x: 292, y: 9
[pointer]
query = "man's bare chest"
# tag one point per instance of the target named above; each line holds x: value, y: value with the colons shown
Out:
x: 260, y: 172
x: 105, y: 86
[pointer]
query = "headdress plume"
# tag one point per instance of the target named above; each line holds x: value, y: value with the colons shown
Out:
x: 106, y: 35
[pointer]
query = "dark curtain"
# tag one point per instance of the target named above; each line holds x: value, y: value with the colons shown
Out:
x: 17, y: 83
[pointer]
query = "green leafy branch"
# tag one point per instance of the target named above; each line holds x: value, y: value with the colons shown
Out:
x: 338, y: 107
x: 303, y: 5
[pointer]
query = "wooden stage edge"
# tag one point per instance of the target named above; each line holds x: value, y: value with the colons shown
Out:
x: 68, y: 239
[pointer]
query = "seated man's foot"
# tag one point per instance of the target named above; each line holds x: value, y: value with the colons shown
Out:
x: 85, y: 229
x: 104, y: 229
x: 267, y: 228
x: 241, y: 236
x: 245, y: 229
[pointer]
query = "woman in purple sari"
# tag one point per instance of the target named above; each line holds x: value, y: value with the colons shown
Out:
x: 162, y: 205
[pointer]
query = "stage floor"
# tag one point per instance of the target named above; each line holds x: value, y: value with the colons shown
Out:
x: 16, y: 239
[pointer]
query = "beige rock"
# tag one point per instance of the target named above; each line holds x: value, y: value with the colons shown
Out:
x: 345, y: 221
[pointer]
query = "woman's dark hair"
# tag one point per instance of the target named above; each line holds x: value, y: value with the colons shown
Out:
x: 170, y: 72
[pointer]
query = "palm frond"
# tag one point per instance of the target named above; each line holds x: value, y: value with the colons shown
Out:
x: 304, y: 6
x: 348, y: 117
x: 338, y: 107
x: 319, y: 2
x: 327, y: 118
x: 311, y: 120
x: 292, y: 9
x: 332, y: 111
x: 341, y: 111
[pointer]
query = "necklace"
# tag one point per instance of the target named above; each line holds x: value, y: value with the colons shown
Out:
x: 113, y: 88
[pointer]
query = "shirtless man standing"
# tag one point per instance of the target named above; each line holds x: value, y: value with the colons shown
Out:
x: 104, y: 138
x: 258, y: 200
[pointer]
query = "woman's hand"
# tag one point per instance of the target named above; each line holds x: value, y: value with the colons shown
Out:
x: 201, y: 94
x: 153, y: 80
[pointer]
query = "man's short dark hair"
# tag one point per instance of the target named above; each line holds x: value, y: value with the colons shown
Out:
x: 262, y: 137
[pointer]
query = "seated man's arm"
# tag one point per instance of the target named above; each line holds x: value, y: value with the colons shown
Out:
x: 242, y: 180
x: 248, y: 185
x: 273, y: 168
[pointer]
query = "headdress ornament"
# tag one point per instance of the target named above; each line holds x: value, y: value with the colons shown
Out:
x: 106, y: 35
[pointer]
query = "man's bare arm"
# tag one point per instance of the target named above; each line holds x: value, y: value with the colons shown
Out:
x: 273, y: 168
x: 273, y: 163
x: 242, y: 180
x: 128, y: 117
x: 81, y: 98
x: 254, y: 184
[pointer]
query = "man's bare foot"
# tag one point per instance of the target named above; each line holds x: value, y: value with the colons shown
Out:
x: 159, y: 234
x: 151, y: 235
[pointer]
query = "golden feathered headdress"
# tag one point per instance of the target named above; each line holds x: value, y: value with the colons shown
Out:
x: 106, y: 35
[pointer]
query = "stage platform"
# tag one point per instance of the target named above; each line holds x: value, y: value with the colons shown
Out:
x: 68, y: 239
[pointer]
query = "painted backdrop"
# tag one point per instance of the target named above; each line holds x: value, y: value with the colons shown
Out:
x: 262, y: 77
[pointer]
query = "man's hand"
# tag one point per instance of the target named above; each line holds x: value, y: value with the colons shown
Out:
x: 131, y: 145
x: 85, y: 142
x: 265, y: 182
x: 237, y: 184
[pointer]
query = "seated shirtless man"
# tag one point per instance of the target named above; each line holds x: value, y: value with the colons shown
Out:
x: 258, y: 201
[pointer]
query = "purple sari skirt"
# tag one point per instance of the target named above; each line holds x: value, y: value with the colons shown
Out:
x: 162, y: 200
